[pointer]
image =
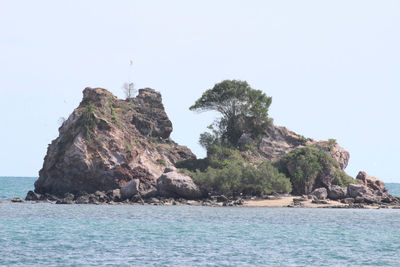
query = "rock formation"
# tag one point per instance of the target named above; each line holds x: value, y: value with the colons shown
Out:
x: 108, y: 143
x: 174, y: 184
x: 112, y: 150
x: 279, y: 141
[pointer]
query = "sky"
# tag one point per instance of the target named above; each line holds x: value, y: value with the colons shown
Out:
x: 331, y: 67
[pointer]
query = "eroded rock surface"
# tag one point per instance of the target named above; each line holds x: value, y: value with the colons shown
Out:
x: 279, y: 141
x: 174, y: 184
x: 336, y: 192
x: 320, y: 193
x: 106, y: 143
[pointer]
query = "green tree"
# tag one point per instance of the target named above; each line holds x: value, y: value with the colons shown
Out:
x: 243, y: 109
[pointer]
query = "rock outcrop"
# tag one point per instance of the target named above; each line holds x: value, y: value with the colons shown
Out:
x: 320, y: 193
x: 279, y: 141
x: 369, y: 190
x: 372, y: 183
x: 174, y: 184
x: 111, y: 150
x: 108, y: 144
x: 336, y: 192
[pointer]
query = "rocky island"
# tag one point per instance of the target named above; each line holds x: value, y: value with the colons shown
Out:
x: 111, y: 150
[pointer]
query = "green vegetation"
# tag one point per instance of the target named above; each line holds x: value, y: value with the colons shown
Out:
x: 331, y: 143
x: 228, y: 173
x: 153, y: 139
x: 88, y: 120
x: 128, y: 148
x: 161, y: 162
x: 226, y: 170
x: 243, y: 109
x: 302, y: 139
x: 236, y: 178
x: 113, y: 115
x: 342, y: 179
x: 305, y: 165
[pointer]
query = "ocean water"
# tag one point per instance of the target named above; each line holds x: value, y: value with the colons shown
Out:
x: 133, y: 235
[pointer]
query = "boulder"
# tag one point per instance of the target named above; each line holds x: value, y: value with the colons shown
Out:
x: 83, y: 199
x: 336, y: 192
x: 32, y: 196
x: 17, y: 200
x: 320, y: 193
x: 69, y: 196
x: 101, y: 196
x: 362, y: 194
x: 372, y: 183
x: 357, y: 190
x: 68, y: 199
x: 174, y: 184
x: 148, y: 192
x: 130, y: 189
x: 114, y: 195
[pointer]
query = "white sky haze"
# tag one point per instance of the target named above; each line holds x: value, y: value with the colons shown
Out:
x: 331, y: 67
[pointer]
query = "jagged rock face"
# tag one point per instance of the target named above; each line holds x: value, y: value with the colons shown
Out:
x: 369, y: 190
x: 372, y: 183
x: 279, y: 141
x: 151, y: 119
x: 107, y: 142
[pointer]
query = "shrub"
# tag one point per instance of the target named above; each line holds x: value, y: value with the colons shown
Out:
x: 342, y: 179
x: 264, y: 179
x: 128, y: 148
x: 220, y: 156
x: 88, y: 120
x: 331, y: 143
x: 161, y: 162
x: 236, y: 178
x: 304, y: 166
x: 113, y: 115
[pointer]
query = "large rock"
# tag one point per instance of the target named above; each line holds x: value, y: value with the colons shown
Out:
x: 279, y: 141
x: 150, y: 118
x: 357, y: 190
x: 336, y: 192
x: 320, y: 193
x: 130, y: 189
x: 174, y: 184
x: 372, y: 183
x: 107, y: 142
x: 32, y: 196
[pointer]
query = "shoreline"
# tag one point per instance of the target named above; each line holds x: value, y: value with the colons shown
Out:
x: 276, y: 202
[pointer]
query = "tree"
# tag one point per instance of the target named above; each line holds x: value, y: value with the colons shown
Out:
x: 129, y: 90
x: 243, y: 109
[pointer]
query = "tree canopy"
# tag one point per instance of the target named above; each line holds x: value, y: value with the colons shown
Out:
x: 243, y: 109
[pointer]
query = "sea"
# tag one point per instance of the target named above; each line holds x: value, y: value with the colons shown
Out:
x: 41, y: 234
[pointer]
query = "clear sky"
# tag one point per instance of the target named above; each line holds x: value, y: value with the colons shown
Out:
x: 331, y: 67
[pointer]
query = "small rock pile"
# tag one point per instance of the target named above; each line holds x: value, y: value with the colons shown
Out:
x: 368, y: 190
